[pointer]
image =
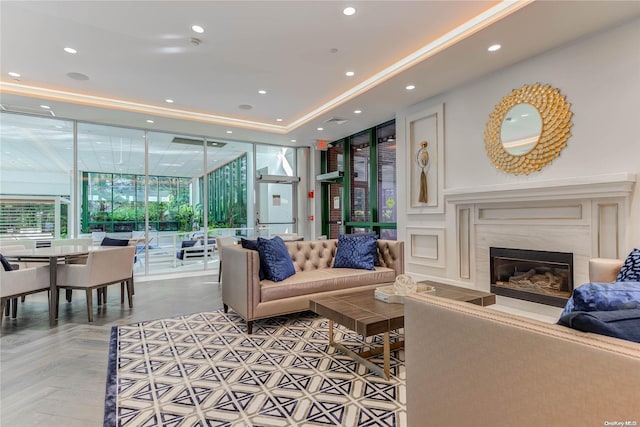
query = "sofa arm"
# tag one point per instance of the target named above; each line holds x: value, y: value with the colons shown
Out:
x: 604, y: 270
x: 240, y: 281
x: 391, y: 254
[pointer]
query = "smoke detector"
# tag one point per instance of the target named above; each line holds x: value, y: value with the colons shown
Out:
x: 337, y: 121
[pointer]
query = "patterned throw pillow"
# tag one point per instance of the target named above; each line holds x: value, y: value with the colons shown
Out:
x: 5, y: 264
x: 276, y: 259
x: 356, y: 251
x: 630, y: 271
x: 604, y: 297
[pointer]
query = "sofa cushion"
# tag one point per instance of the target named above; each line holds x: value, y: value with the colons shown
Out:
x: 253, y: 245
x: 356, y: 251
x: 604, y: 297
x: 323, y: 280
x: 624, y: 324
x: 630, y: 271
x: 275, y: 258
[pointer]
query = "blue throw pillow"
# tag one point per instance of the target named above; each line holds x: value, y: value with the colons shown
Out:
x: 356, y: 251
x: 6, y: 265
x: 630, y: 271
x: 107, y: 241
x: 624, y: 324
x: 275, y: 258
x: 604, y: 297
x: 253, y: 245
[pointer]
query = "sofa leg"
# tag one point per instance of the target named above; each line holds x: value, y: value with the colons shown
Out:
x: 249, y: 327
x: 225, y: 307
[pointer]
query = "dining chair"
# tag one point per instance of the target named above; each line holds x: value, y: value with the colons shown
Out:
x: 222, y: 241
x: 18, y: 283
x: 105, y: 266
x: 87, y: 241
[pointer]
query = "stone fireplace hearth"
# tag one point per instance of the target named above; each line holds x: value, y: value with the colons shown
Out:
x: 539, y: 276
x: 585, y: 217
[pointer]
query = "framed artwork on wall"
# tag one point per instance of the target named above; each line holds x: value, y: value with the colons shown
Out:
x: 424, y: 132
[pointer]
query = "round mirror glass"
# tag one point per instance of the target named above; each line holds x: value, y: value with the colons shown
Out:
x: 521, y: 129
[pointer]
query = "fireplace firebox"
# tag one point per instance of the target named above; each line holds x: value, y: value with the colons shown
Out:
x: 539, y: 276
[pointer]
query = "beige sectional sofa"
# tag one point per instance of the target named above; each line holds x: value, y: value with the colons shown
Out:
x: 253, y: 299
x: 474, y: 366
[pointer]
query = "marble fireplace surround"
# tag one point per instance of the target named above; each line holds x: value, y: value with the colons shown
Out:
x: 587, y: 216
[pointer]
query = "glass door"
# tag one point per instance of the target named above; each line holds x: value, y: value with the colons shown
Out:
x: 277, y: 206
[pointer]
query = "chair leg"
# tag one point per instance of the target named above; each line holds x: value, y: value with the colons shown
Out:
x: 58, y: 304
x: 14, y: 308
x: 122, y: 292
x: 104, y: 295
x: 133, y: 289
x: 130, y: 293
x: 6, y: 306
x: 68, y: 294
x: 90, y: 304
x: 3, y: 304
x: 22, y: 298
x: 249, y: 327
x: 99, y: 297
x: 225, y: 307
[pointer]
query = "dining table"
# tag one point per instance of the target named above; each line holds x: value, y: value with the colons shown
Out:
x: 53, y: 255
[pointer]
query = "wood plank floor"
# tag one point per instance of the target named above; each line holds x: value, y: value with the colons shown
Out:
x: 56, y: 376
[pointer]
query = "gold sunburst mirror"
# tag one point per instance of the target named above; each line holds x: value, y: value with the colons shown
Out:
x: 528, y: 129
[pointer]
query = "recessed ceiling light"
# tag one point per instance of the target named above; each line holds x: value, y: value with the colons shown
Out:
x: 349, y: 11
x: 149, y: 121
x: 357, y: 111
x: 169, y: 101
x: 70, y: 50
x: 349, y: 73
x: 262, y: 92
x: 320, y: 128
x: 278, y: 120
x: 410, y: 87
x: 494, y: 47
x: 14, y: 74
x: 197, y: 29
x: 245, y: 106
x: 229, y: 131
x: 46, y: 107
x: 293, y: 140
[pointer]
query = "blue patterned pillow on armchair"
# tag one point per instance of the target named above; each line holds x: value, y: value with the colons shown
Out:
x: 630, y: 271
x: 356, y: 251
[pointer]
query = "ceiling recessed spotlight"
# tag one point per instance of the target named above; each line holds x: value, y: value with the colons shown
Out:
x: 262, y: 92
x: 229, y: 131
x: 46, y: 107
x: 245, y: 106
x: 294, y: 140
x: 197, y: 29
x: 349, y: 11
x: 169, y: 101
x: 494, y: 47
x: 410, y: 87
x: 77, y: 76
x: 349, y: 73
x: 320, y: 128
x: 14, y: 74
x: 278, y: 120
x: 357, y: 111
x: 149, y: 121
x: 70, y: 50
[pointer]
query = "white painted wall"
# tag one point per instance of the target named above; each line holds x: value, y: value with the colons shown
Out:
x: 600, y: 77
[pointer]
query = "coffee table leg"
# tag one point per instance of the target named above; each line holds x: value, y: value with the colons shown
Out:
x: 387, y: 355
x: 330, y: 332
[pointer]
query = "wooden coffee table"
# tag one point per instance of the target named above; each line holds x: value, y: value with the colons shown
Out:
x: 360, y: 312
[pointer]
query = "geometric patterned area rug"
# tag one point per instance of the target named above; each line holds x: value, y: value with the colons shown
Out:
x: 203, y: 369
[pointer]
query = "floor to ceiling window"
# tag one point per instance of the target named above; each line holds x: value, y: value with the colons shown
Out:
x: 360, y: 195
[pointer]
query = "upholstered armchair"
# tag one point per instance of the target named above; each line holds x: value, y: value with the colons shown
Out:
x: 104, y: 267
x: 17, y: 283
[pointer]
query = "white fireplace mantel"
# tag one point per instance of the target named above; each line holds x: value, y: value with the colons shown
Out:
x: 588, y: 187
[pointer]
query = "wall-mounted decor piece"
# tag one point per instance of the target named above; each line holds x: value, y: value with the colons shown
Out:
x: 528, y: 129
x: 425, y: 157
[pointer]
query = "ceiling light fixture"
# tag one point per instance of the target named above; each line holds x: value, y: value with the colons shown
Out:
x: 357, y: 111
x: 169, y: 101
x: 70, y: 50
x: 149, y: 121
x: 197, y: 29
x: 262, y: 92
x: 229, y: 131
x: 294, y: 140
x: 14, y: 74
x: 494, y: 47
x: 349, y: 11
x: 46, y: 107
x: 410, y: 87
x: 278, y: 120
x: 349, y: 74
x: 320, y: 128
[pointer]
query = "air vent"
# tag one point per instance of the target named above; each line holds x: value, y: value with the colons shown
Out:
x: 198, y: 142
x: 27, y: 110
x: 336, y: 121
